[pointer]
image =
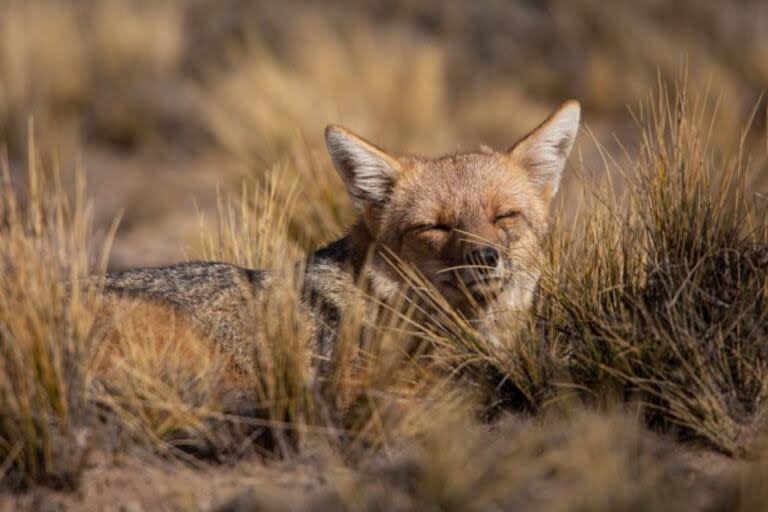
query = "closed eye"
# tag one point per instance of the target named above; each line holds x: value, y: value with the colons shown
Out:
x: 422, y: 228
x: 508, y: 215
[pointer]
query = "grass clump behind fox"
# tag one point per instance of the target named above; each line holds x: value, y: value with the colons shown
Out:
x: 656, y: 297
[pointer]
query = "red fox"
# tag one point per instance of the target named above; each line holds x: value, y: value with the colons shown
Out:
x: 471, y: 223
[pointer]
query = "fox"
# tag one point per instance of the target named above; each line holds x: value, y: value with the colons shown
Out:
x: 473, y: 225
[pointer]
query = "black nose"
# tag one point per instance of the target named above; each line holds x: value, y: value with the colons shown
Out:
x: 483, y: 257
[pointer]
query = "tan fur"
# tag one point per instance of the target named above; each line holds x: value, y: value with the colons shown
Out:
x: 150, y: 337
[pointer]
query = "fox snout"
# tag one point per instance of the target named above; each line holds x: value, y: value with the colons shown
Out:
x: 482, y: 270
x: 483, y: 259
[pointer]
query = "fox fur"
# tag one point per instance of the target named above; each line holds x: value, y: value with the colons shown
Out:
x: 471, y: 223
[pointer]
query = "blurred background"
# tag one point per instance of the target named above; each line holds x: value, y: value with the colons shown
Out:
x: 167, y: 104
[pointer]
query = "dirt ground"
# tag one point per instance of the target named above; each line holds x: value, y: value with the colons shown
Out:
x: 145, y: 483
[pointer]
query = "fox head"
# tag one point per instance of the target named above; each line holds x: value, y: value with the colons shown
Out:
x: 471, y: 223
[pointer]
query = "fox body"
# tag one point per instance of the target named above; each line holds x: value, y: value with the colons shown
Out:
x: 471, y: 223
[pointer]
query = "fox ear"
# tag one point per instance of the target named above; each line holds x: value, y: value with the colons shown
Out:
x: 367, y: 171
x: 543, y: 152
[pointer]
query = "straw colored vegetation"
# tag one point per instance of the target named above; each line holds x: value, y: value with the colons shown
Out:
x: 639, y: 381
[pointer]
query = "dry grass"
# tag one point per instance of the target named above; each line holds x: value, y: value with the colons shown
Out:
x: 668, y: 321
x: 649, y: 337
x: 674, y: 307
x: 592, y: 463
x: 43, y: 331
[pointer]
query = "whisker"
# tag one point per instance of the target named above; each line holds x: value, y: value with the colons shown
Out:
x: 464, y: 267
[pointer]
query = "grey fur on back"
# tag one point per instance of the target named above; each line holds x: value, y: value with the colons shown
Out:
x: 186, y: 286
